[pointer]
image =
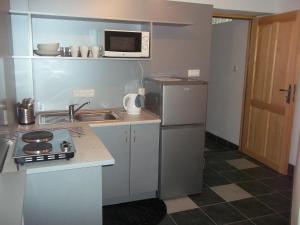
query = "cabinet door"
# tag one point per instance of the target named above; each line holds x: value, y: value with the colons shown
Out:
x: 144, y: 158
x: 115, y: 177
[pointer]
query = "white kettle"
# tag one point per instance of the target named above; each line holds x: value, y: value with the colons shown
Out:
x: 132, y: 103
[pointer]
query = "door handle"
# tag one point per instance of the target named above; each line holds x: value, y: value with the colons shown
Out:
x: 289, y: 92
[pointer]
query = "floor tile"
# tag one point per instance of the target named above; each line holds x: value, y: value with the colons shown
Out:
x: 220, y: 166
x: 211, y: 156
x: 191, y: 217
x: 259, y: 172
x: 290, y: 178
x: 212, y: 178
x: 223, y: 213
x: 167, y: 221
x: 247, y: 222
x: 273, y: 219
x: 179, y: 204
x: 276, y: 201
x: 251, y: 207
x: 287, y: 193
x: 231, y: 192
x: 229, y: 155
x: 278, y: 184
x: 255, y: 187
x: 286, y: 214
x: 206, y: 149
x: 241, y: 164
x: 236, y: 176
x: 207, y: 197
x: 214, y: 146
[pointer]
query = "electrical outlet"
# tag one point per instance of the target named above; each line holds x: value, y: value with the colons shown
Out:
x: 84, y: 93
x: 194, y: 73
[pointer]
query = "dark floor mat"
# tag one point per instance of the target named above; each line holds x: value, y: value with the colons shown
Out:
x: 145, y: 212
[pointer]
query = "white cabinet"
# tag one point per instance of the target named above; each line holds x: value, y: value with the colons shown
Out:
x: 134, y: 175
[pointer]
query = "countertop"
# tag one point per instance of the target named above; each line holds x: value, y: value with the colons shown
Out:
x: 90, y: 151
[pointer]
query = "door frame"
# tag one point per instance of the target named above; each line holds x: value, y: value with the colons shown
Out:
x: 251, y: 32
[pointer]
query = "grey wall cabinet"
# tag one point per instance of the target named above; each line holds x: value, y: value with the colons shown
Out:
x: 135, y: 148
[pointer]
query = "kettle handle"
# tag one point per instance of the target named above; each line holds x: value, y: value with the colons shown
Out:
x: 124, y: 101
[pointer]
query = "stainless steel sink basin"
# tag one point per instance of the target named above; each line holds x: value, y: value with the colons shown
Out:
x: 81, y: 116
x: 53, y: 117
x: 96, y: 116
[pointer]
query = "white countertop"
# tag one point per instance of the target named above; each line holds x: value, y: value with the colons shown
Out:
x: 90, y: 151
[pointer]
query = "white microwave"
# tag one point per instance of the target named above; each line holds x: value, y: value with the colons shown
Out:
x: 121, y: 43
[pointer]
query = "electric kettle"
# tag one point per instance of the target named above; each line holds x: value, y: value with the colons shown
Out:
x: 132, y: 103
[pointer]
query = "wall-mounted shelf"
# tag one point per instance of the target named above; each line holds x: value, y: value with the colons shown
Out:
x: 77, y: 58
x: 82, y: 18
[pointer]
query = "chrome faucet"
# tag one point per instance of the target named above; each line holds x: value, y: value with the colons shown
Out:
x: 73, y: 111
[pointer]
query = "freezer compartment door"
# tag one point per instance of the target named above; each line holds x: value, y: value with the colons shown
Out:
x: 184, y: 104
x: 181, y: 161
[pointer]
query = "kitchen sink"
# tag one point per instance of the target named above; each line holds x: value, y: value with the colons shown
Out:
x: 81, y: 116
x: 53, y: 117
x: 96, y: 116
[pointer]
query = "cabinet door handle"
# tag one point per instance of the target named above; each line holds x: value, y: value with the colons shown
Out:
x: 134, y: 136
x: 126, y: 137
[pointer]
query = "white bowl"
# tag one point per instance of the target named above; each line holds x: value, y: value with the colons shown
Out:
x: 49, y: 47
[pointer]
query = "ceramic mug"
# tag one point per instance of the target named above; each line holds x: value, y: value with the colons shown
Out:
x: 95, y: 51
x: 84, y: 51
x: 74, y: 50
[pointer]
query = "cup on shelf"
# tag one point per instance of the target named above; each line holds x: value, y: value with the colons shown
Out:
x: 65, y: 51
x: 74, y: 50
x: 95, y: 51
x: 84, y: 51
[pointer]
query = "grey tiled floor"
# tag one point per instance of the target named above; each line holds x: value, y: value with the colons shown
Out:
x: 237, y: 191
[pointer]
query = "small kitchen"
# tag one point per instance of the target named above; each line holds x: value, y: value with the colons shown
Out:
x: 85, y: 125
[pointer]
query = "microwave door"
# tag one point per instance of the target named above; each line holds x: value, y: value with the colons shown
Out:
x: 126, y: 44
x: 120, y: 41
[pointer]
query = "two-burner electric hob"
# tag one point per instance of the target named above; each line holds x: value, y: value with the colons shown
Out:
x: 43, y: 145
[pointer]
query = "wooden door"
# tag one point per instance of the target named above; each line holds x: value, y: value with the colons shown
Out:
x: 272, y: 69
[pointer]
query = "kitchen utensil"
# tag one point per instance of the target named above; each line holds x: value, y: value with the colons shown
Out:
x: 84, y: 51
x: 132, y: 103
x: 74, y: 50
x: 48, y: 47
x: 65, y: 51
x: 46, y: 53
x: 26, y: 111
x: 95, y: 51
